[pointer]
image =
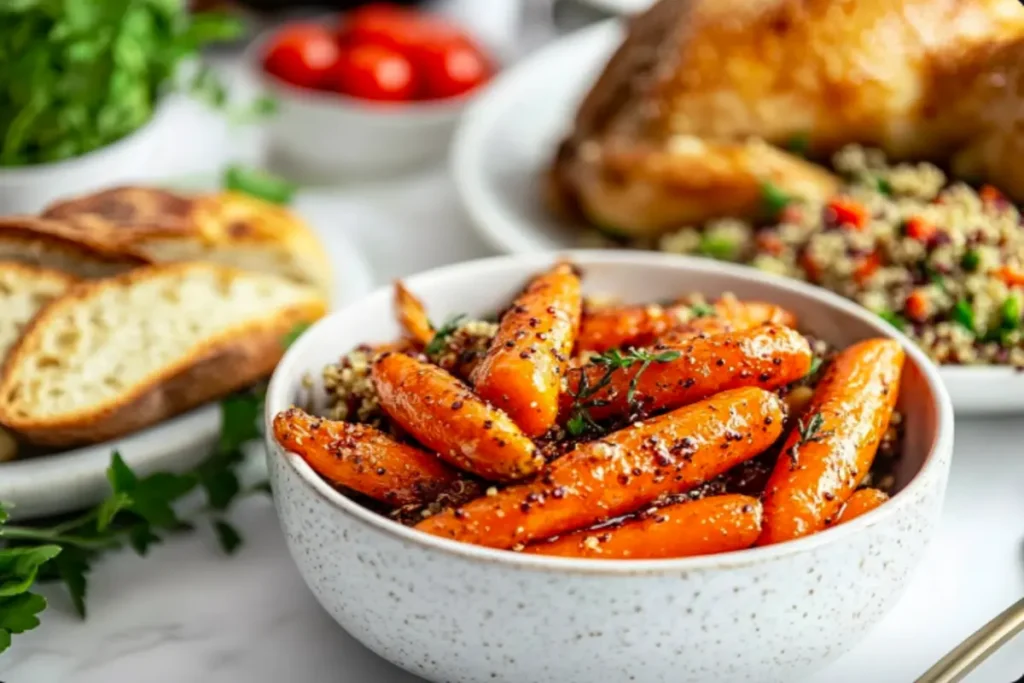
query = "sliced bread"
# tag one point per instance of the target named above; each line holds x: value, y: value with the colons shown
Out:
x: 229, y: 228
x: 23, y: 291
x: 51, y: 244
x: 113, y: 356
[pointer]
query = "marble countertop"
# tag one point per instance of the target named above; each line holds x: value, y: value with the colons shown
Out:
x: 187, y: 613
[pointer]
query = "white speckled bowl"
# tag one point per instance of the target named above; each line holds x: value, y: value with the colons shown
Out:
x: 456, y: 613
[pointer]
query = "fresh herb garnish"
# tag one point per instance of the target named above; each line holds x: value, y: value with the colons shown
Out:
x: 816, y: 362
x: 702, y: 310
x: 894, y: 319
x: 799, y: 144
x: 580, y: 420
x: 964, y: 315
x: 717, y: 247
x: 774, y: 198
x: 1010, y: 312
x: 259, y: 183
x: 883, y: 186
x: 809, y: 432
x: 970, y: 261
x: 78, y: 76
x: 437, y: 343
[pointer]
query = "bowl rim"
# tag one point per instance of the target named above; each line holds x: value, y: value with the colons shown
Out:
x: 98, y: 155
x: 287, y: 375
x: 427, y: 110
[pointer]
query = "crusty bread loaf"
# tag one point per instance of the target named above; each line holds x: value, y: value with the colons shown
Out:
x: 113, y: 356
x: 229, y: 228
x: 23, y: 291
x: 50, y: 244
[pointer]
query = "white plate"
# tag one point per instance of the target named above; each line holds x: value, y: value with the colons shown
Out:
x: 75, y: 479
x: 619, y: 6
x: 507, y: 139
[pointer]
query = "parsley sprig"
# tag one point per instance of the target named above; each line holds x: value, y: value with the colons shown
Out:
x: 584, y: 399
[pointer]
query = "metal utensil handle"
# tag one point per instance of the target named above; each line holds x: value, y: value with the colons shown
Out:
x: 966, y: 656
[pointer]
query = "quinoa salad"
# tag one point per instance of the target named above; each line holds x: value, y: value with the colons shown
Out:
x: 938, y: 259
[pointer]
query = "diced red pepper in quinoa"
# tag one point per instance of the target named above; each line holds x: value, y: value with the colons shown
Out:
x: 920, y: 229
x: 810, y: 266
x: 1013, y: 277
x: 846, y: 211
x: 866, y: 267
x: 770, y: 243
x: 917, y: 307
x: 990, y: 195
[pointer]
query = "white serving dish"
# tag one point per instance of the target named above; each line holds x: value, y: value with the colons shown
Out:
x: 455, y: 613
x: 77, y: 478
x: 322, y: 136
x: 135, y: 157
x: 508, y: 137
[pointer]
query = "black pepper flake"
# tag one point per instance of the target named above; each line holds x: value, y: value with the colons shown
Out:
x: 768, y: 420
x: 459, y: 513
x: 764, y: 376
x: 689, y: 382
x: 542, y: 336
x: 500, y: 442
x: 488, y: 424
x: 533, y: 322
x: 510, y: 344
x: 776, y: 361
x: 381, y: 471
x: 524, y: 508
x: 559, y: 493
x: 829, y: 496
x: 747, y: 509
x: 524, y: 354
x: 521, y: 334
x: 456, y: 405
x: 720, y: 362
x: 552, y: 310
x: 519, y: 308
x: 662, y: 459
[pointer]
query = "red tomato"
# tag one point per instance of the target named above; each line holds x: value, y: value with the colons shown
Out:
x: 374, y: 72
x: 453, y: 68
x: 301, y: 54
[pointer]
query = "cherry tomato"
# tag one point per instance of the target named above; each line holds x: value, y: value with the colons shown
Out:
x: 374, y: 72
x: 301, y: 54
x: 452, y: 68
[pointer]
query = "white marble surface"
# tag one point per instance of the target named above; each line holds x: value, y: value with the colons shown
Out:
x: 186, y: 613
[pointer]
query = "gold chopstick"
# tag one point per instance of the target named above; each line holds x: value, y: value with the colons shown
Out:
x: 966, y: 656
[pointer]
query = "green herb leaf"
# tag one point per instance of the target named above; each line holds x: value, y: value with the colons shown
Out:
x: 577, y: 425
x: 883, y: 186
x: 799, y: 144
x: 963, y: 314
x: 816, y: 363
x: 717, y: 247
x: 894, y: 319
x: 260, y: 184
x: 774, y: 199
x: 702, y: 310
x: 450, y: 326
x: 294, y: 334
x: 20, y: 565
x: 227, y: 536
x: 1010, y: 313
x: 970, y: 261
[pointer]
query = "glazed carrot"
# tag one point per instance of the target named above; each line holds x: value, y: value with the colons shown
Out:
x: 412, y: 316
x: 862, y: 500
x: 621, y: 472
x: 730, y: 314
x: 522, y: 371
x: 832, y: 448
x: 708, y: 526
x: 620, y: 326
x: 363, y: 459
x: 444, y: 415
x: 768, y: 357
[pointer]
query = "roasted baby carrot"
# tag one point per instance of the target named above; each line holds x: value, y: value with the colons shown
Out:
x: 621, y: 472
x: 444, y: 415
x: 364, y: 459
x: 728, y: 314
x: 862, y: 500
x: 412, y: 316
x: 620, y: 326
x: 833, y: 445
x: 717, y: 524
x: 769, y: 357
x: 522, y: 371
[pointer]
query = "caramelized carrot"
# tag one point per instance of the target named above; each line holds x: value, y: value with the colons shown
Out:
x: 412, y: 316
x: 831, y: 450
x: 862, y: 501
x: 363, y: 459
x: 444, y: 415
x: 620, y: 326
x: 718, y: 524
x: 730, y: 315
x: 768, y: 357
x: 522, y: 371
x: 621, y: 472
